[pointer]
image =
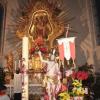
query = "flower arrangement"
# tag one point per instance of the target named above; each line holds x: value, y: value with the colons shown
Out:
x: 32, y: 50
x: 42, y: 49
x: 80, y: 75
x: 39, y: 44
x: 77, y: 78
x: 39, y: 41
x: 77, y: 90
x: 75, y: 81
x: 91, y: 74
x: 64, y: 96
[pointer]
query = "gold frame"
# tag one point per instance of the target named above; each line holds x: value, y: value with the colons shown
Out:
x: 57, y: 27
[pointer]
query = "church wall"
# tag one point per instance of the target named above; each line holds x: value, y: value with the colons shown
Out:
x: 93, y: 28
x: 2, y: 27
x: 81, y: 26
x: 11, y: 6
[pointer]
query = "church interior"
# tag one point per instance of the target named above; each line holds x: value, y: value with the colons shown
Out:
x: 49, y: 49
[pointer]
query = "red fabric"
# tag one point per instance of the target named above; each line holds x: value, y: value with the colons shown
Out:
x: 2, y: 93
x: 61, y: 51
x: 72, y: 50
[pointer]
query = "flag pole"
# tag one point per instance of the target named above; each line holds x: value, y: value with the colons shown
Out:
x: 63, y: 69
x: 68, y: 28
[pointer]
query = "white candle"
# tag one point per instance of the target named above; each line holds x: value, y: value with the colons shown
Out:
x: 25, y: 94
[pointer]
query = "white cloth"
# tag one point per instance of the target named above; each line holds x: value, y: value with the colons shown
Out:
x: 4, y: 97
x: 17, y: 83
x: 71, y: 39
x: 67, y: 50
x: 52, y: 69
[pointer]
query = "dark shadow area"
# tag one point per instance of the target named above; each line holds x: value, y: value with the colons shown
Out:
x: 96, y: 7
x: 1, y: 23
x: 2, y: 75
x: 96, y: 87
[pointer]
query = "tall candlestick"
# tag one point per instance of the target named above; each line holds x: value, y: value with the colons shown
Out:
x: 25, y: 94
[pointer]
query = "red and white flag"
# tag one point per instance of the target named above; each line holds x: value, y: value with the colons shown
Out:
x: 72, y: 47
x: 66, y: 48
x: 61, y: 49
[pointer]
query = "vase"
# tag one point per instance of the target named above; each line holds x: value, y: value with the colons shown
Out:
x: 78, y: 98
x: 86, y: 90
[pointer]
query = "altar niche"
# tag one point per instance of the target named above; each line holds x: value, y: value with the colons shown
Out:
x: 40, y: 25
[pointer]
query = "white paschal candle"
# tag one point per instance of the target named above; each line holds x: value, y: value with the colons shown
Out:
x: 25, y: 51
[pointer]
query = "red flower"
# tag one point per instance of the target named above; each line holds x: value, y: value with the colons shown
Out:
x: 39, y: 41
x: 32, y: 50
x: 43, y: 49
x: 82, y: 75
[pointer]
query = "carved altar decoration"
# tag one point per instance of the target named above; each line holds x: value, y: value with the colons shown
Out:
x: 41, y: 21
x: 9, y: 62
x: 41, y: 24
x: 8, y: 67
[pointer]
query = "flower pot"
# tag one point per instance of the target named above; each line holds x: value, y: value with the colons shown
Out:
x: 78, y: 98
